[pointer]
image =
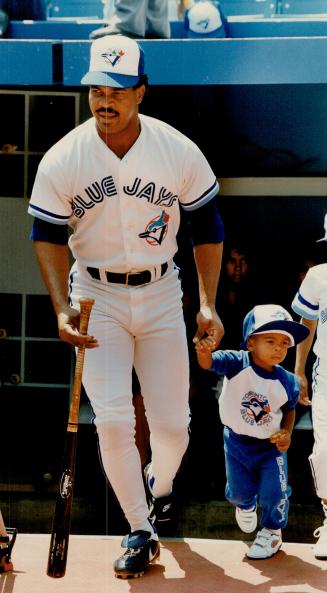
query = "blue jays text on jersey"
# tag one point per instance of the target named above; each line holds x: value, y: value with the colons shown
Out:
x: 105, y: 188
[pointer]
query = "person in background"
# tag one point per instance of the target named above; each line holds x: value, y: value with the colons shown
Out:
x: 137, y: 19
x: 235, y: 291
x: 257, y: 409
x: 310, y: 302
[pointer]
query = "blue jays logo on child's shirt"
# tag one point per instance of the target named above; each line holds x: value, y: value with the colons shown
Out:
x: 255, y: 409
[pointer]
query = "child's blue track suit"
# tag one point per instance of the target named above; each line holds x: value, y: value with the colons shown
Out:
x: 251, y: 408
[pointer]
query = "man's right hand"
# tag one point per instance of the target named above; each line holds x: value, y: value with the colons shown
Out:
x: 68, y: 324
x: 304, y: 393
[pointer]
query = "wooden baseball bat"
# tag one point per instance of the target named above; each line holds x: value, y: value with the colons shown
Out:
x: 61, y: 522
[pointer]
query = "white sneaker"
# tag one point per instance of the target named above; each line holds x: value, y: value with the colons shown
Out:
x: 266, y: 544
x: 246, y: 519
x: 320, y: 549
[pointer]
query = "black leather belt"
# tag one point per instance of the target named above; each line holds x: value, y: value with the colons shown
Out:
x: 135, y: 279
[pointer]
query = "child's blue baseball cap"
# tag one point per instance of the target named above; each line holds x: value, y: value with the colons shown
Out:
x: 204, y: 19
x: 264, y: 319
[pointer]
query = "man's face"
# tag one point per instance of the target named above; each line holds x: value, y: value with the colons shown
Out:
x: 115, y: 109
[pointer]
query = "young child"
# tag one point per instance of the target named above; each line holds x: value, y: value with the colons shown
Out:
x: 257, y: 409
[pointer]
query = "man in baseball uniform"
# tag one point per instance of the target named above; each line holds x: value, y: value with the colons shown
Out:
x: 118, y: 181
x: 311, y: 303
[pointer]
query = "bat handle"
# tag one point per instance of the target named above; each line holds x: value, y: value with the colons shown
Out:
x: 85, y: 312
x: 86, y: 305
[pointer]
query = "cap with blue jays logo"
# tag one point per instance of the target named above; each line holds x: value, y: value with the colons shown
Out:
x: 264, y: 319
x: 325, y: 227
x: 116, y: 61
x: 204, y: 19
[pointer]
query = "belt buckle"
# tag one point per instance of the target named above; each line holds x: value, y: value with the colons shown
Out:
x: 128, y: 274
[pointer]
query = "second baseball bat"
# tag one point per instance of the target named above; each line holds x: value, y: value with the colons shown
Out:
x: 61, y: 522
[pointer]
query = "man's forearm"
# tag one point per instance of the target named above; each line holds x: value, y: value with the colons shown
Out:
x: 208, y: 264
x: 303, y: 349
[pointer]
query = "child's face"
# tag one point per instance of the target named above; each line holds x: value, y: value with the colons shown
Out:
x: 268, y: 349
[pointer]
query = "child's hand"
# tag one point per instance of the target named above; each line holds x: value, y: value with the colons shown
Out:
x: 282, y: 439
x: 206, y: 344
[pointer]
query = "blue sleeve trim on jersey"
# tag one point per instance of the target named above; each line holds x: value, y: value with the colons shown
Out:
x: 205, y: 224
x: 49, y: 232
x: 203, y: 199
x: 303, y: 312
x: 307, y: 303
x: 48, y: 216
x: 304, y: 308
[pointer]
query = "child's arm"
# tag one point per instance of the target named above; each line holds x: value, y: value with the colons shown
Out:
x: 282, y: 438
x: 204, y: 350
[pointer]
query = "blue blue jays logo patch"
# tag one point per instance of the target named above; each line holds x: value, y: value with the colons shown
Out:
x: 113, y: 56
x: 255, y: 409
x: 156, y: 229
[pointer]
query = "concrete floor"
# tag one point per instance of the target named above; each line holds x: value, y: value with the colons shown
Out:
x: 185, y: 566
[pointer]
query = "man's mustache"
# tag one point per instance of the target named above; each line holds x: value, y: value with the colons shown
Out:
x: 107, y: 110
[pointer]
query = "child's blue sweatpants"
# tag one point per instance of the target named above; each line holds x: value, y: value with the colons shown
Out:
x: 256, y: 474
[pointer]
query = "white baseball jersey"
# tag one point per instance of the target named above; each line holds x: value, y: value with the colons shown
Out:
x: 252, y: 399
x: 311, y: 302
x: 124, y: 212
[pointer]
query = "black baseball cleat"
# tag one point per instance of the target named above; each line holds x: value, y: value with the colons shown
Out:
x: 160, y: 508
x: 143, y: 548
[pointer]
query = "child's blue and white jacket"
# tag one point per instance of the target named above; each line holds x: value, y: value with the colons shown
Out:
x: 252, y: 400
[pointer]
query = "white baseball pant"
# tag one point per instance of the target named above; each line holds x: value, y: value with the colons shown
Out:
x: 141, y: 327
x: 318, y: 458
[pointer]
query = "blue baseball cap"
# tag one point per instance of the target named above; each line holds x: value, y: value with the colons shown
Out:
x: 264, y: 319
x: 116, y: 61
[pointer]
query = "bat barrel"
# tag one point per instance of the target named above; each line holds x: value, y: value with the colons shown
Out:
x: 58, y: 549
